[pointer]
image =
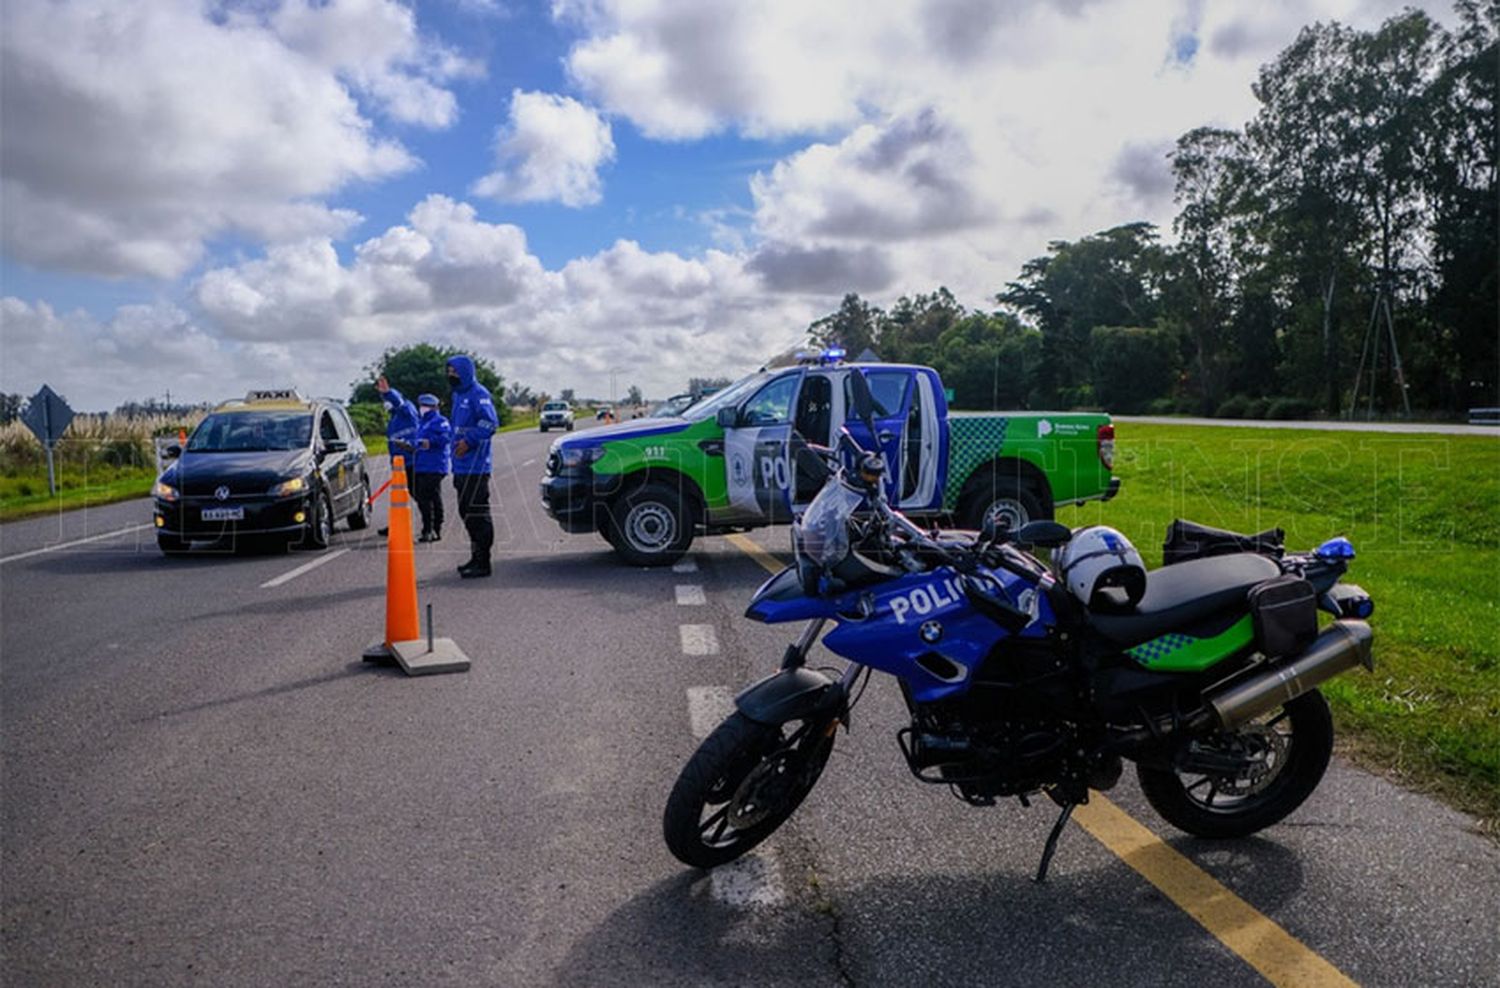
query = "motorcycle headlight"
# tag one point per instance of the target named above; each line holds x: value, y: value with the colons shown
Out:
x: 289, y: 487
x: 164, y: 491
x: 579, y: 456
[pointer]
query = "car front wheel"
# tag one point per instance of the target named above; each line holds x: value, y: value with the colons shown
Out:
x: 653, y: 526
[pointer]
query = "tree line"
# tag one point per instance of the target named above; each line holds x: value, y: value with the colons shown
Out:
x: 1338, y: 255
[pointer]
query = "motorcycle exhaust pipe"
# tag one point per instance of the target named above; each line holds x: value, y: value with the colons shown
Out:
x: 1342, y: 646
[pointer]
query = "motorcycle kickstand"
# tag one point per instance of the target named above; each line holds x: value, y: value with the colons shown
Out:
x: 1051, y: 846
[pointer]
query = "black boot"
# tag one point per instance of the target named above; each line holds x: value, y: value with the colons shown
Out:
x: 382, y: 531
x: 474, y: 568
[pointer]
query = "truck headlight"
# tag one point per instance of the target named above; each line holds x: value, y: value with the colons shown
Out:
x: 579, y: 456
x: 289, y: 487
x: 164, y: 491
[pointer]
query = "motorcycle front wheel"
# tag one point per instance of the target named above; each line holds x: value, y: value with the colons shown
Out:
x: 742, y: 783
x: 1284, y: 755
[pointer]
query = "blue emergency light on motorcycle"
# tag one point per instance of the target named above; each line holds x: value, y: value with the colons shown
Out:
x: 1335, y: 548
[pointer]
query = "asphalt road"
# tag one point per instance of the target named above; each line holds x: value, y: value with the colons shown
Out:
x: 203, y: 784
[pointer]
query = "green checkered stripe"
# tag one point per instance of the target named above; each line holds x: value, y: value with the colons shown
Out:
x: 1176, y: 652
x: 971, y: 441
x: 1160, y: 648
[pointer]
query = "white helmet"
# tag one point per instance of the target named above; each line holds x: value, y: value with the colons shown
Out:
x: 1098, y: 557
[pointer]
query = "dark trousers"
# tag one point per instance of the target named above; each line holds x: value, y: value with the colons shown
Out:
x: 428, y: 490
x: 474, y: 508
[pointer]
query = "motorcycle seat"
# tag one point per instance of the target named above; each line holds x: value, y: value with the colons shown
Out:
x: 1182, y: 594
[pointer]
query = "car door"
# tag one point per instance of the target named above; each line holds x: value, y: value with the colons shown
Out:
x: 919, y: 489
x: 353, y: 457
x: 331, y: 461
x: 891, y: 388
x: 812, y: 422
x: 756, y: 452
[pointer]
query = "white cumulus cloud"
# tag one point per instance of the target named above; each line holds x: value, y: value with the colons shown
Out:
x: 552, y: 149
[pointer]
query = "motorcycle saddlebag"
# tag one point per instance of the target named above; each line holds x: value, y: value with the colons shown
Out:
x: 1284, y: 611
x: 1190, y: 540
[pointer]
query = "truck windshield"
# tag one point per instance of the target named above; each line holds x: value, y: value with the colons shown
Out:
x: 729, y: 397
x: 245, y: 431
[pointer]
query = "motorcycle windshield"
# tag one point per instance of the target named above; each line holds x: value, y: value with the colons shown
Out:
x: 823, y: 531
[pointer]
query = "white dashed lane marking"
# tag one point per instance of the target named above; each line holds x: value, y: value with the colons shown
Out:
x: 304, y: 568
x: 699, y: 639
x: 690, y: 595
x: 708, y: 707
x: 754, y: 880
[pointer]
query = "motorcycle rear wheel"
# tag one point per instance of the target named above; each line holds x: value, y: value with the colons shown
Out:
x: 742, y: 783
x: 1213, y: 806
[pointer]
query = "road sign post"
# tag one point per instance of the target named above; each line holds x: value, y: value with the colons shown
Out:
x: 48, y: 416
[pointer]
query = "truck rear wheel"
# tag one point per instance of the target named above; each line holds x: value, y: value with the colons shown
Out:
x: 1009, y: 499
x: 651, y: 525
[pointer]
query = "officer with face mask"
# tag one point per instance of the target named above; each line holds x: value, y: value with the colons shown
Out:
x: 474, y: 422
x: 434, y: 436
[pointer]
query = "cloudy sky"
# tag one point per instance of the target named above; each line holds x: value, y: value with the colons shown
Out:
x: 203, y: 197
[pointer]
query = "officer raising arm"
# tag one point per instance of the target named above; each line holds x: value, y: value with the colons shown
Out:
x: 474, y: 422
x: 401, y: 430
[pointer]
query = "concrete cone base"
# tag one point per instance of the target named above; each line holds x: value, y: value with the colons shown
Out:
x: 445, y: 656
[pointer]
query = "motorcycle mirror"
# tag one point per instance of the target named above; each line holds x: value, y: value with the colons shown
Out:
x: 812, y: 461
x: 864, y: 401
x: 1043, y: 534
x: 990, y: 530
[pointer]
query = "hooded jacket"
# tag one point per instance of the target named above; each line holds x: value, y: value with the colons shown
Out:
x: 401, y: 430
x: 474, y: 419
x: 438, y: 435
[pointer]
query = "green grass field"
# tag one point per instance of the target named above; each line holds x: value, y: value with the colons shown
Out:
x: 1423, y: 512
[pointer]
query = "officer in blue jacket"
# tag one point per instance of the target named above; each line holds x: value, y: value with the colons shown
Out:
x: 401, y: 429
x: 474, y: 421
x: 434, y: 435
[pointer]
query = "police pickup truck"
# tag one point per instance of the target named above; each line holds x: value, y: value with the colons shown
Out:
x: 727, y: 463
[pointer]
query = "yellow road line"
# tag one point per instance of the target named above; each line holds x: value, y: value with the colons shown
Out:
x: 1281, y: 958
x: 755, y: 552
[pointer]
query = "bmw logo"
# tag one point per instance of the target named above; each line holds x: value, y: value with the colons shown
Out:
x: 222, y: 492
x: 931, y: 632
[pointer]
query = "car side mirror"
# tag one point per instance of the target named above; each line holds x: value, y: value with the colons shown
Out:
x: 335, y: 446
x: 172, y: 452
x: 864, y: 401
x: 728, y: 418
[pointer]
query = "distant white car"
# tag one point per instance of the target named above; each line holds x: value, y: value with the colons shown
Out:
x: 556, y: 415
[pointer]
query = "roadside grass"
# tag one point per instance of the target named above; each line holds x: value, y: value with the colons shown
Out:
x: 99, y: 460
x: 1423, y: 512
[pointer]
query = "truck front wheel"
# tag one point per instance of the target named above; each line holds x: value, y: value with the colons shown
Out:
x: 1009, y: 500
x: 651, y: 525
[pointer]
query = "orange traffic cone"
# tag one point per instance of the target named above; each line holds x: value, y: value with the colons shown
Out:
x: 401, y: 621
x: 402, y: 628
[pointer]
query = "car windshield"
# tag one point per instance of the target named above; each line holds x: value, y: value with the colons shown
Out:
x: 555, y: 406
x: 230, y: 432
x: 730, y: 396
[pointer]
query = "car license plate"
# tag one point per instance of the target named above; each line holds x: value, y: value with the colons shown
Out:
x: 223, y: 514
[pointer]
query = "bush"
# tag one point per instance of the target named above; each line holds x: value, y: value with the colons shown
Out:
x: 1291, y: 408
x: 1162, y: 406
x: 1233, y: 408
x: 368, y: 417
x: 1256, y: 409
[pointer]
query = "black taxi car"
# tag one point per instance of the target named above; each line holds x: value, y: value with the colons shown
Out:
x: 270, y: 466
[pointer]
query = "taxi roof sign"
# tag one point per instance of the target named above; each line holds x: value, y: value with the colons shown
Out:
x: 273, y: 394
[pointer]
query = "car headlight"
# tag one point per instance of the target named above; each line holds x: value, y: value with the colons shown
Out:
x: 579, y: 456
x: 164, y: 491
x: 288, y: 487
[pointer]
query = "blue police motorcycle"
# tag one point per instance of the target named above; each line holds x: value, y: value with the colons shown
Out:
x: 1016, y: 687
